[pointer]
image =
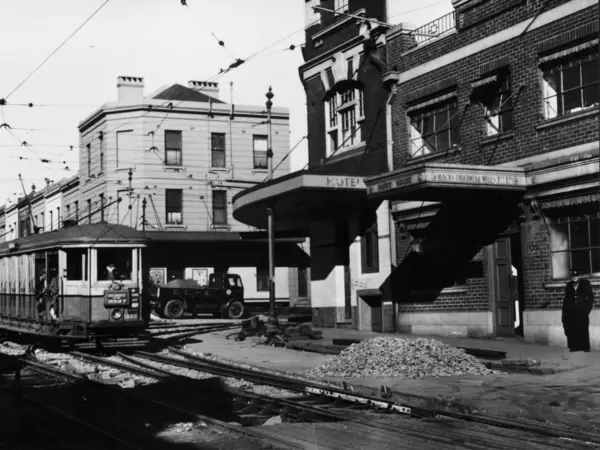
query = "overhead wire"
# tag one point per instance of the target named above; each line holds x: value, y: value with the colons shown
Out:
x: 56, y: 50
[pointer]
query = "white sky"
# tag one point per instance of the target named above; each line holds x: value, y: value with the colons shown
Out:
x: 160, y: 40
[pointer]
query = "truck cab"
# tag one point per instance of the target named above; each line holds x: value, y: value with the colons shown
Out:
x: 222, y: 297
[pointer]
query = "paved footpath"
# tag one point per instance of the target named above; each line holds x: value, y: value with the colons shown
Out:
x: 569, y: 397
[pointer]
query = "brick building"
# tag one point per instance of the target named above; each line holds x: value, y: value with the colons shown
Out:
x: 349, y: 234
x: 495, y: 155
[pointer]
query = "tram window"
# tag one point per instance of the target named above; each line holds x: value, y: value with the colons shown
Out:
x: 76, y: 264
x: 114, y: 264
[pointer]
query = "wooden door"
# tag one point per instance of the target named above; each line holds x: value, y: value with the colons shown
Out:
x: 504, y: 305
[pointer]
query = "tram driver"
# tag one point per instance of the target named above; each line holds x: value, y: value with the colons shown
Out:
x: 39, y: 290
x: 53, y: 294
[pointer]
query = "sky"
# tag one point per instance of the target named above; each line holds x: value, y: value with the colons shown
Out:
x: 160, y: 40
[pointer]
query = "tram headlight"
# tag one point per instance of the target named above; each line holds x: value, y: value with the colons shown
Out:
x: 117, y: 314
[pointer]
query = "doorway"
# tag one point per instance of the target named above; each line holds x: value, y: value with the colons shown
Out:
x: 508, y: 286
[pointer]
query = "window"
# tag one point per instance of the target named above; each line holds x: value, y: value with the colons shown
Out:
x: 76, y: 264
x: 58, y: 218
x: 496, y: 99
x: 341, y: 5
x: 89, y: 208
x: 369, y: 250
x: 76, y: 211
x: 174, y: 206
x: 217, y: 147
x: 173, y: 148
x: 43, y: 222
x: 575, y: 245
x: 122, y: 260
x: 259, y: 149
x: 219, y: 208
x: 434, y: 130
x: 262, y: 280
x: 302, y: 282
x: 345, y: 113
x: 101, y: 207
x: 51, y: 220
x: 89, y: 159
x: 101, y: 138
x: 67, y: 216
x: 570, y: 86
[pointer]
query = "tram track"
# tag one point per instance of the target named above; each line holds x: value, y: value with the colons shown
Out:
x: 346, y: 398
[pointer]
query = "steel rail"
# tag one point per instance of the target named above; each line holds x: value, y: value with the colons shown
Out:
x: 154, y: 326
x: 218, y: 367
x: 53, y: 372
x: 298, y: 385
x: 241, y: 431
x: 193, y: 332
x: 238, y: 392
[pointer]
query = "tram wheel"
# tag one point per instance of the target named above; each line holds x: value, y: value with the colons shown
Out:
x: 174, y: 309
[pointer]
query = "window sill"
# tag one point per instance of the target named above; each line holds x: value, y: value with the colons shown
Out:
x: 218, y: 169
x: 497, y: 138
x: 567, y: 118
x: 462, y: 289
x: 432, y: 156
x: 173, y: 226
x: 369, y: 271
x: 220, y: 227
x: 259, y: 170
x: 174, y: 168
x: 562, y: 284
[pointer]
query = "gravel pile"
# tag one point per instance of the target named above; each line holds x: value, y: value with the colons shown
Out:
x: 10, y: 348
x: 397, y: 357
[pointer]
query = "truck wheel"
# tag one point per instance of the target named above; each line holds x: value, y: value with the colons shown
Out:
x: 235, y: 310
x: 174, y: 309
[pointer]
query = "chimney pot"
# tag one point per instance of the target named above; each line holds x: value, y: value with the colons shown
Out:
x: 130, y: 89
x: 210, y: 88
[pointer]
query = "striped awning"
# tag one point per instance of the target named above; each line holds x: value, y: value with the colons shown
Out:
x: 571, y: 201
x: 433, y: 101
x: 569, y: 51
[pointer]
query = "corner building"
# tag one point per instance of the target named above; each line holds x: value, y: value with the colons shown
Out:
x: 495, y: 187
x: 327, y: 201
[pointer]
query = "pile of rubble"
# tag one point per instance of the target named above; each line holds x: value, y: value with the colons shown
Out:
x: 397, y: 357
x: 276, y: 335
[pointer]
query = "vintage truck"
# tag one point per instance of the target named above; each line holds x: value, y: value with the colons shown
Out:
x: 222, y: 297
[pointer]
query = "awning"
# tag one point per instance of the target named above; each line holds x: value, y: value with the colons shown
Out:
x: 300, y: 198
x: 441, y: 182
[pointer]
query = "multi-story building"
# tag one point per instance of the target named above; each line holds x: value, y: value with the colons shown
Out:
x: 495, y: 156
x: 168, y: 163
x: 327, y: 202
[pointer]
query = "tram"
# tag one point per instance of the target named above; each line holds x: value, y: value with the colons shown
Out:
x: 81, y: 285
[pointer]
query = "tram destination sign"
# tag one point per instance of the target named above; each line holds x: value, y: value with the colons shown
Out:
x: 116, y: 298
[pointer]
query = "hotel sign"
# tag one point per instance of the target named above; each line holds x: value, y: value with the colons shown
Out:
x: 473, y: 178
x: 341, y: 182
x: 476, y: 177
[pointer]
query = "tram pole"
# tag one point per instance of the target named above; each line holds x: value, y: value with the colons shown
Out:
x: 270, y: 214
x: 144, y: 203
x: 130, y: 174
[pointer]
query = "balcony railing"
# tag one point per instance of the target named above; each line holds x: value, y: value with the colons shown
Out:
x: 433, y: 29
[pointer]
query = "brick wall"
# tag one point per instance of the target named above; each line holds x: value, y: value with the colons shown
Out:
x: 532, y: 133
x: 540, y: 291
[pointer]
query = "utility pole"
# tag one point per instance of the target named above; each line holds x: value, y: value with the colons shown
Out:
x: 272, y: 316
x: 130, y: 173
x: 144, y: 203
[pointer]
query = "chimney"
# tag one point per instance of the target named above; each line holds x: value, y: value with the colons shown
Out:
x: 210, y: 88
x: 131, y: 89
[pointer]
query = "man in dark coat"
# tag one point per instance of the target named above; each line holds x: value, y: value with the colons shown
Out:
x: 577, y: 305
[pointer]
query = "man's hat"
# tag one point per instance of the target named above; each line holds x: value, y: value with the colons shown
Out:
x: 575, y: 272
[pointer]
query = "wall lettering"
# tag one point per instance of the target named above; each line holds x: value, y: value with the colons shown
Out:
x: 534, y: 247
x: 344, y: 182
x: 474, y: 178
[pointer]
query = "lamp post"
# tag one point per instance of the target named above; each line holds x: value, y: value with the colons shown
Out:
x: 272, y: 316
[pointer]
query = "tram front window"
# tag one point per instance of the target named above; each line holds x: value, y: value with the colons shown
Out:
x: 76, y: 264
x: 114, y: 264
